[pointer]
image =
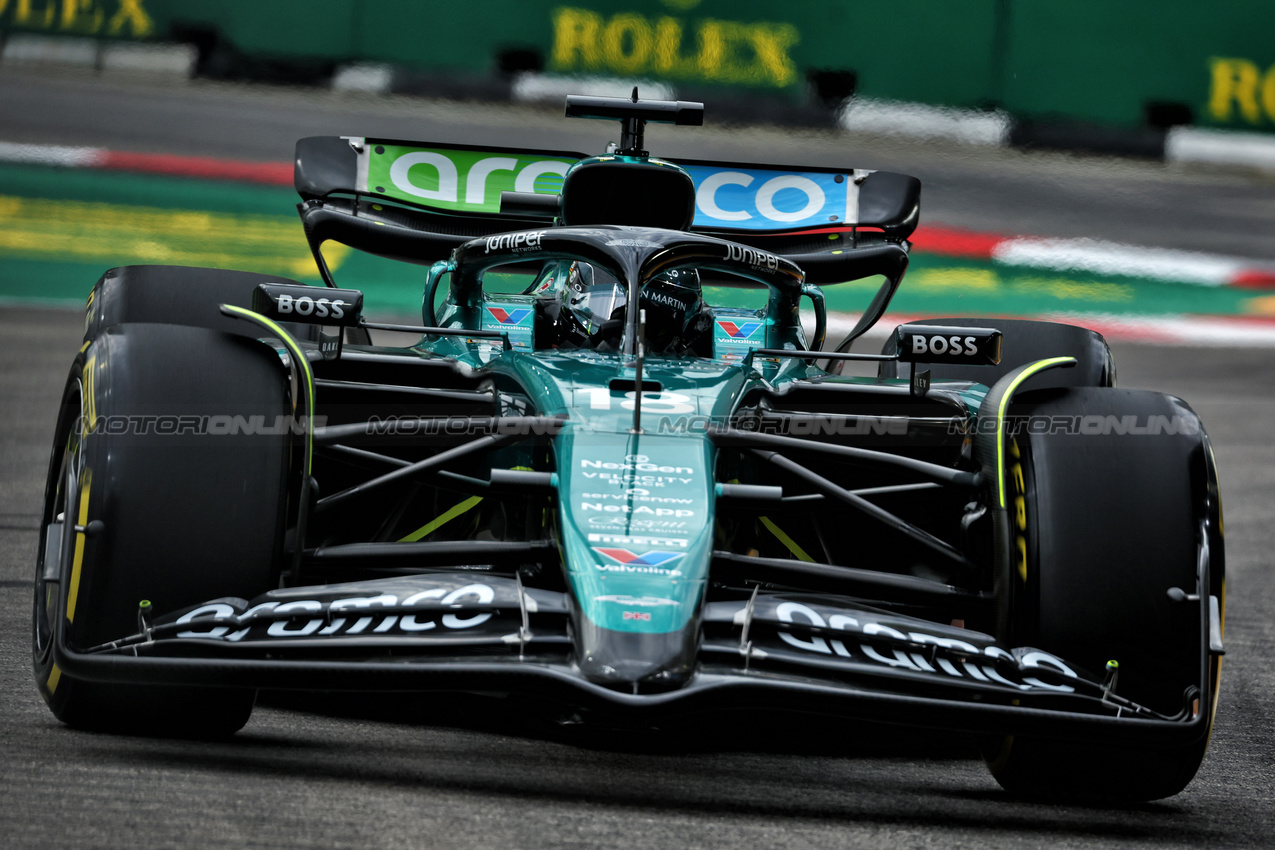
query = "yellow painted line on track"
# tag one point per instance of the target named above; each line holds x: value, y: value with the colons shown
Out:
x: 117, y: 234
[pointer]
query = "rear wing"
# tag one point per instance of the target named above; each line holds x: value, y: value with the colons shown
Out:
x: 440, y: 196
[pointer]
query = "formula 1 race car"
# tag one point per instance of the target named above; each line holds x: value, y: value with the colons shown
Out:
x: 611, y: 477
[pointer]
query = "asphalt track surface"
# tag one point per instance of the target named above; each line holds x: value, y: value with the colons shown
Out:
x: 460, y: 774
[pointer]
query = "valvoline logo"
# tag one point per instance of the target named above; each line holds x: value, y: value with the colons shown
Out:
x: 646, y: 559
x: 739, y: 330
x: 509, y: 317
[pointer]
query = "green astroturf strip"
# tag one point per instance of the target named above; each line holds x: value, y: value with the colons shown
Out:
x: 943, y: 285
x: 146, y: 190
x: 40, y: 281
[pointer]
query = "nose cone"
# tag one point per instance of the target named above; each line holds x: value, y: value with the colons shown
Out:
x: 637, y: 662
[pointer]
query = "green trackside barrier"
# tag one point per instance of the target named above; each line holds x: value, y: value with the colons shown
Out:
x: 1140, y: 62
x: 750, y: 44
x: 1131, y: 63
x: 274, y: 28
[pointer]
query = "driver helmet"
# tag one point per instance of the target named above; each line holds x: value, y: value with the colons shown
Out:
x: 672, y: 300
x: 594, y: 297
x: 673, y: 303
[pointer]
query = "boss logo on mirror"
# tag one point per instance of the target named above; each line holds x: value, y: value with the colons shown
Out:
x: 938, y: 344
x: 944, y: 345
x: 320, y: 308
x: 314, y: 305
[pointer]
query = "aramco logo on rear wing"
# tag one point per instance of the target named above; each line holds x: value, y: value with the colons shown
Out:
x: 735, y: 197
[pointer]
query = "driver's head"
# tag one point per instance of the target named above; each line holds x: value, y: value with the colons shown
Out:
x: 595, y: 303
x: 593, y: 297
x: 673, y: 302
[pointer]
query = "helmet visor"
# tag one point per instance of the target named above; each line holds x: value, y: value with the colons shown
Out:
x: 594, y: 296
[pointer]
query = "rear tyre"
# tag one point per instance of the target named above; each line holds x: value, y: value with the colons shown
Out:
x: 184, y: 514
x: 1104, y: 524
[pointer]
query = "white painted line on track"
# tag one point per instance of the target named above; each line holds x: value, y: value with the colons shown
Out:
x: 541, y: 88
x: 154, y: 58
x: 1184, y: 331
x: 102, y: 54
x: 1093, y: 255
x: 58, y: 50
x: 63, y: 155
x: 1220, y: 147
x: 374, y: 78
x: 921, y: 121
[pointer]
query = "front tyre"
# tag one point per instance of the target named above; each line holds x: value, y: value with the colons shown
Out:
x: 1110, y: 507
x: 172, y: 518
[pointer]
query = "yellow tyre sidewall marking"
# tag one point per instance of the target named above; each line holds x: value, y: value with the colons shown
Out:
x: 77, y: 562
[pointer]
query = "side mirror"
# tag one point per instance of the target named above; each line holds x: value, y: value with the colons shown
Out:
x: 940, y: 344
x: 311, y: 305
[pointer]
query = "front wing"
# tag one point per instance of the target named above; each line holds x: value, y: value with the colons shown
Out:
x: 468, y: 631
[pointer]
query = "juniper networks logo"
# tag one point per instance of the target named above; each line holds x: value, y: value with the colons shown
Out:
x: 509, y: 317
x: 739, y: 330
